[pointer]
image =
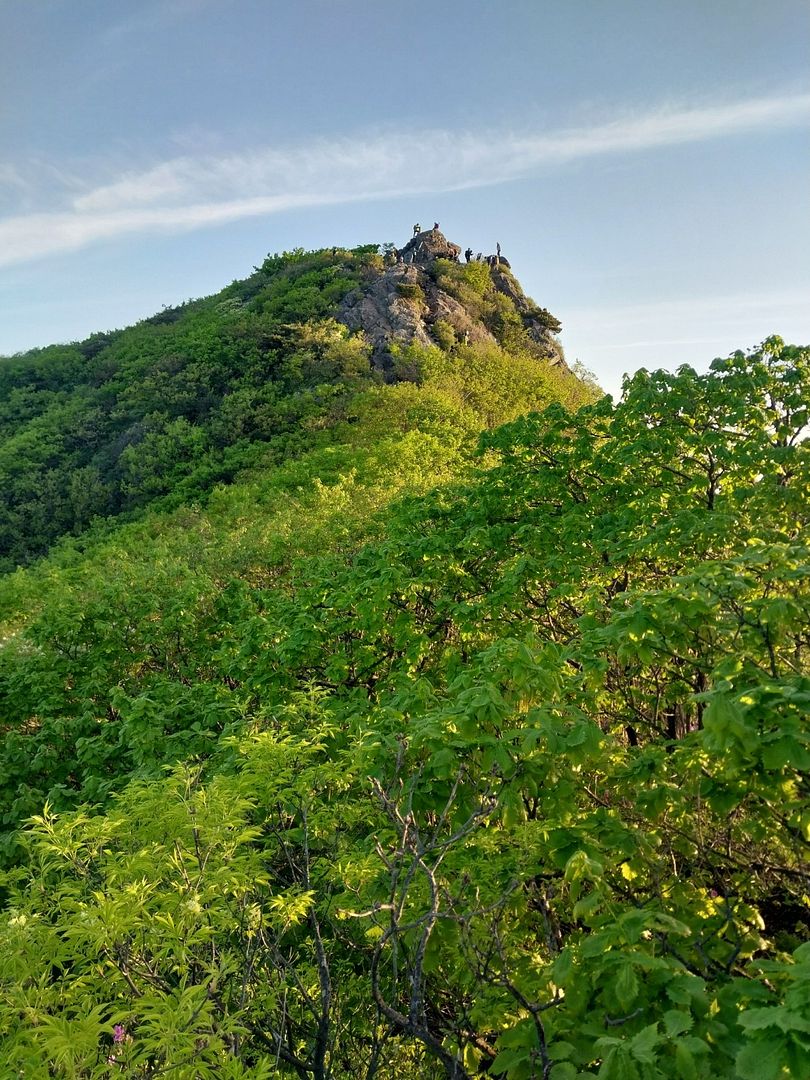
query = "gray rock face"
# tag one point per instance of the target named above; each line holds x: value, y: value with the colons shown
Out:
x: 401, y: 304
x: 384, y: 314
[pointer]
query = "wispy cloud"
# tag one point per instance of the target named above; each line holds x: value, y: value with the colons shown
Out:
x: 12, y: 182
x: 189, y: 192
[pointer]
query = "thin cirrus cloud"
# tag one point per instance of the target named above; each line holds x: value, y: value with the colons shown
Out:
x: 189, y: 192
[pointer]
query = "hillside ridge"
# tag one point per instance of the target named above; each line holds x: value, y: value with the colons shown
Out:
x: 163, y: 411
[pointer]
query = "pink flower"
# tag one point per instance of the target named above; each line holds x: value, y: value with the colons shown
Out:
x: 119, y: 1033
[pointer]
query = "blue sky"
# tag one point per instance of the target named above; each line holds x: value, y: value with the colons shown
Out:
x: 644, y: 165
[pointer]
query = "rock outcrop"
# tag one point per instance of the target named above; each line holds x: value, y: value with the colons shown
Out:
x: 427, y: 246
x: 404, y: 303
x: 401, y: 306
x: 384, y: 314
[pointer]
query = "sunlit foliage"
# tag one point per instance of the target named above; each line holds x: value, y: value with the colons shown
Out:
x: 394, y: 762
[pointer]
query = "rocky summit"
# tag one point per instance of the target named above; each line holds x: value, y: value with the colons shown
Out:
x: 427, y: 245
x: 425, y: 292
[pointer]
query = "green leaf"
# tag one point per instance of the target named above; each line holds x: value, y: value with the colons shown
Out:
x: 761, y: 1060
x: 687, y: 1069
x: 588, y: 904
x: 563, y: 1070
x: 563, y: 966
x: 618, y: 1065
x: 626, y: 986
x: 558, y: 1051
x: 775, y: 1016
x: 785, y: 751
x: 508, y: 1059
x: 677, y: 1022
x: 756, y: 1019
x: 644, y: 1043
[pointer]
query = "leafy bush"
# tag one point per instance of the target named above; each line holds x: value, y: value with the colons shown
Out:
x: 411, y: 291
x: 444, y: 334
x: 545, y: 319
x: 463, y: 279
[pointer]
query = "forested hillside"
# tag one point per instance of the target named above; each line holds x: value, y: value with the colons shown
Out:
x: 165, y: 410
x: 410, y: 715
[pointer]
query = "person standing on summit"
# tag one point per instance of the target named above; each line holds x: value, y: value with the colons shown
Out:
x: 417, y: 229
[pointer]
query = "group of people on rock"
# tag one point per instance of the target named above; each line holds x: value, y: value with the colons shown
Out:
x: 490, y: 260
x: 410, y: 256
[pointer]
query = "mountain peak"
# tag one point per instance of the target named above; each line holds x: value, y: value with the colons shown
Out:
x: 424, y: 294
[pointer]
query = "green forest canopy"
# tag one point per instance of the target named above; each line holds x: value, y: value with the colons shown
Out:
x: 413, y: 754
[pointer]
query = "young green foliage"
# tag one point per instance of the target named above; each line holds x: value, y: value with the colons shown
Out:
x: 507, y: 777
